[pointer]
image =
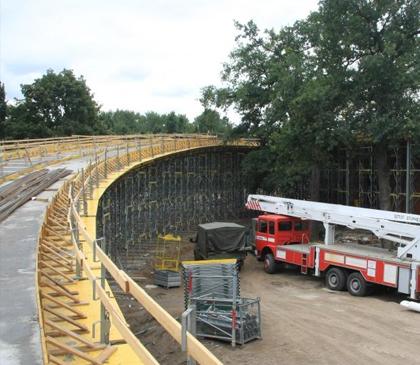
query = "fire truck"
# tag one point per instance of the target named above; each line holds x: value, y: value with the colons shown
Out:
x: 282, y: 238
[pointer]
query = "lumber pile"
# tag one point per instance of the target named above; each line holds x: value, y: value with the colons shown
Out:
x: 18, y: 192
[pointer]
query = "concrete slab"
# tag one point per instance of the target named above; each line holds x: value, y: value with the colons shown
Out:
x: 20, y: 341
x: 19, y: 328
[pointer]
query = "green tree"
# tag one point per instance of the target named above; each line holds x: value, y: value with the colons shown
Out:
x: 154, y: 123
x: 210, y: 121
x: 285, y: 100
x: 129, y: 122
x: 176, y: 123
x: 350, y: 69
x: 3, y: 110
x: 376, y: 45
x: 122, y: 121
x: 55, y: 105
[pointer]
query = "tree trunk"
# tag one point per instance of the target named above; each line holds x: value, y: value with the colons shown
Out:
x: 383, y: 173
x: 314, y: 196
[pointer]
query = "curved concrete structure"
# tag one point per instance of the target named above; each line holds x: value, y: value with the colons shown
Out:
x: 72, y: 296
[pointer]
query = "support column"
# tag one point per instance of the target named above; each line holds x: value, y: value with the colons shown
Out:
x: 329, y: 233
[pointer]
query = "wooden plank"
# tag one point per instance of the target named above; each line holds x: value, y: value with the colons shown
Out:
x: 59, y: 292
x: 115, y: 272
x: 195, y: 348
x: 62, y: 304
x: 61, y: 285
x: 55, y: 360
x: 71, y: 334
x: 80, y: 348
x: 56, y: 271
x: 59, y: 249
x: 61, y: 244
x: 105, y: 354
x: 67, y: 319
x: 145, y: 356
x: 53, y: 234
x: 60, y: 334
x: 53, y: 250
x: 55, y: 222
x: 57, y: 260
x: 72, y: 350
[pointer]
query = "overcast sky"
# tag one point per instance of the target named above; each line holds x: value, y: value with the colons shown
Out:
x: 138, y: 55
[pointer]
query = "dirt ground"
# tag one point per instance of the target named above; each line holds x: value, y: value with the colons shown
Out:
x: 302, y: 323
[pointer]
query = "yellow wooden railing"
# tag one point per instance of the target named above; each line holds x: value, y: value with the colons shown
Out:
x: 64, y: 215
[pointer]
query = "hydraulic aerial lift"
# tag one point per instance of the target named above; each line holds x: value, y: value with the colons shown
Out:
x: 346, y: 266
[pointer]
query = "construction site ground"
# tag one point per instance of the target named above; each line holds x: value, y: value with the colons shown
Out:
x: 302, y: 321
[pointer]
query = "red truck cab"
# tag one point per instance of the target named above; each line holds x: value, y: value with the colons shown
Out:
x: 273, y: 230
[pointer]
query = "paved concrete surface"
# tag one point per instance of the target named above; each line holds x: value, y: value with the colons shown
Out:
x: 20, y: 342
x: 19, y: 328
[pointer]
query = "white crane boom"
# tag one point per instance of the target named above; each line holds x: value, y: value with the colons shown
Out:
x: 404, y: 229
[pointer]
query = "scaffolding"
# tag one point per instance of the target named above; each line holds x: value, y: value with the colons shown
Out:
x: 172, y: 194
x: 212, y: 290
x: 168, y: 251
x: 352, y: 178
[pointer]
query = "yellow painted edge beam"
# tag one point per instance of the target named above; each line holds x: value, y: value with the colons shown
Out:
x: 209, y: 262
x: 171, y: 325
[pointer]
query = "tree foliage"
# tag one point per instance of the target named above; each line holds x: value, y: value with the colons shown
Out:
x: 348, y: 71
x: 60, y: 104
x: 210, y: 121
x: 129, y: 122
x: 3, y: 110
x: 57, y: 104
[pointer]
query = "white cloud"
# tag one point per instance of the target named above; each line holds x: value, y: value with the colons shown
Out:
x: 138, y: 55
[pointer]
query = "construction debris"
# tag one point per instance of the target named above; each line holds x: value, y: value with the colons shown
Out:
x: 17, y: 193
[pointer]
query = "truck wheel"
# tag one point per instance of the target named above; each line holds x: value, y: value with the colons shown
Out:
x: 356, y: 285
x: 336, y: 279
x: 270, y: 265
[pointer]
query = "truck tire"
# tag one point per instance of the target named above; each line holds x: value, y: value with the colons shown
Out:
x: 336, y: 279
x: 356, y: 285
x: 270, y: 265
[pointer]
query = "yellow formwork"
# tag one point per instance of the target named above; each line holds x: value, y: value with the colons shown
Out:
x: 124, y: 355
x: 91, y: 308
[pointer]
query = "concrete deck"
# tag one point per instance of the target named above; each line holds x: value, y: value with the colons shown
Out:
x: 20, y: 341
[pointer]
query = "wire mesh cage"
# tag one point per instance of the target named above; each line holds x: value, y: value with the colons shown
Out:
x: 212, y: 288
x: 217, y: 278
x: 236, y: 321
x: 167, y: 253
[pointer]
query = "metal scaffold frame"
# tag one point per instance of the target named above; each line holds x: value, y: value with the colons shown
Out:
x: 171, y: 195
x: 352, y: 178
x: 73, y: 265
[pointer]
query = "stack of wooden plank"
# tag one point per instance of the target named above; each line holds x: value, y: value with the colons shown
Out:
x: 18, y: 192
